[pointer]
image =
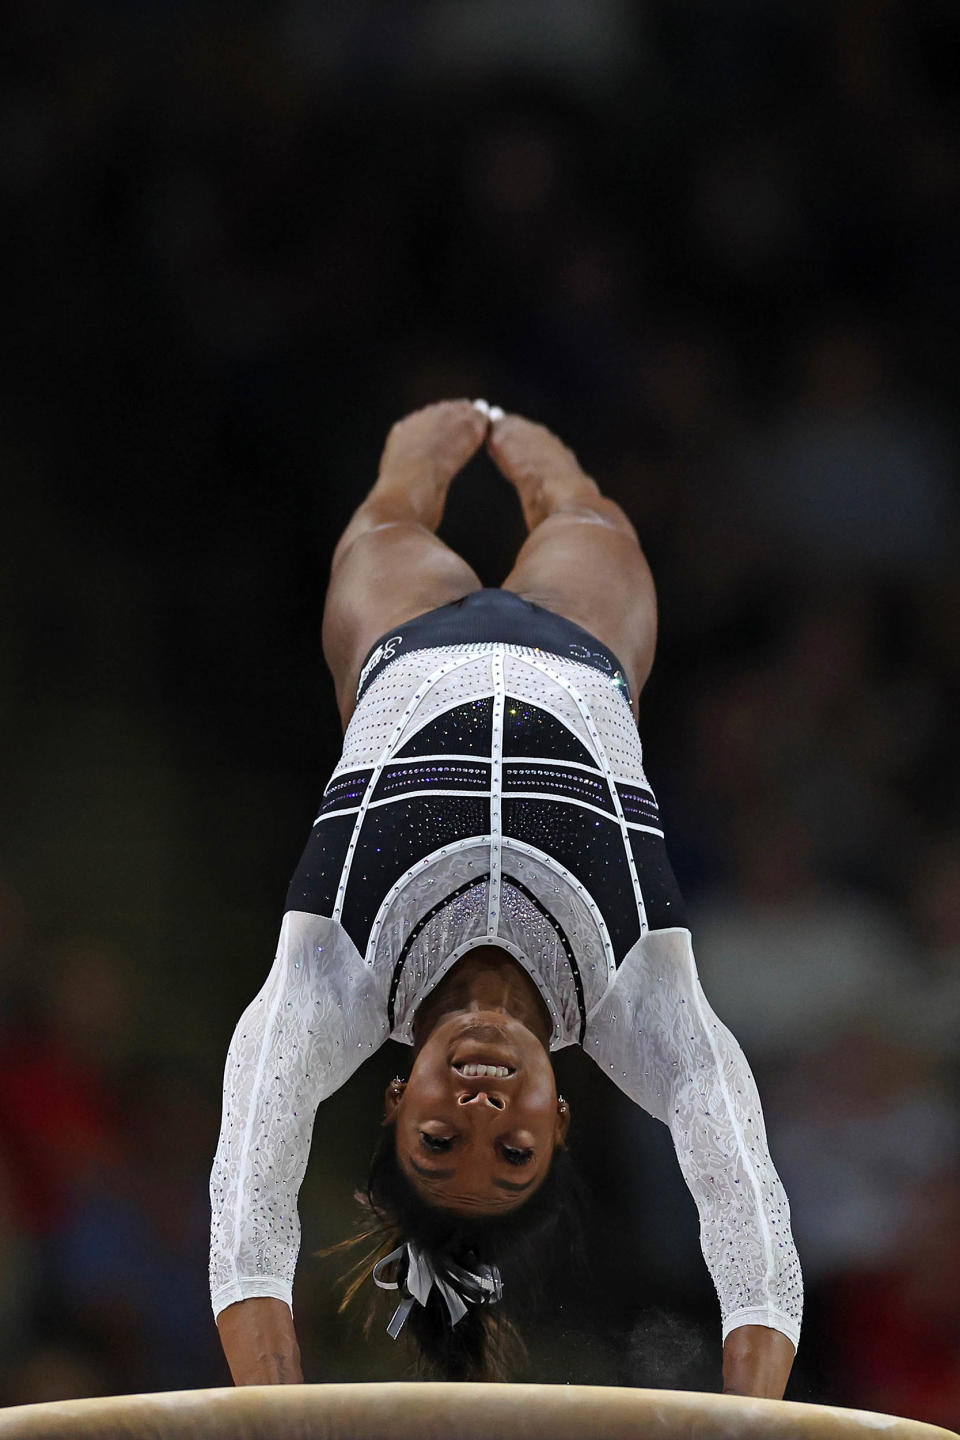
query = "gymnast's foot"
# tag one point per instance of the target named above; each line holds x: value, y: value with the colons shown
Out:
x: 545, y: 472
x: 425, y: 450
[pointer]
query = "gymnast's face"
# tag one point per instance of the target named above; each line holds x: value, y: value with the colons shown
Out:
x: 478, y: 1143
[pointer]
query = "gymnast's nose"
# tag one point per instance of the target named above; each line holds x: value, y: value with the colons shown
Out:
x: 480, y: 1100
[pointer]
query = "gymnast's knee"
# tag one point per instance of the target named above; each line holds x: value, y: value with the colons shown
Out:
x: 603, y: 512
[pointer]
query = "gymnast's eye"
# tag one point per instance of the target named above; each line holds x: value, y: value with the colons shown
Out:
x: 435, y: 1142
x: 514, y: 1156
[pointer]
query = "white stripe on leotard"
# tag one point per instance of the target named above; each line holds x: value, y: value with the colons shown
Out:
x: 496, y: 790
x: 419, y: 695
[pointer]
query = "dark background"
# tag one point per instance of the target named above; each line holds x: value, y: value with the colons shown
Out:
x: 714, y: 246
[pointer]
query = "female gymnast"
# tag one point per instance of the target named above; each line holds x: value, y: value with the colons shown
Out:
x: 486, y: 882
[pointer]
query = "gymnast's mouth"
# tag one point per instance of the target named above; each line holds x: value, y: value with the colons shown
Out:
x: 482, y: 1050
x: 488, y: 1067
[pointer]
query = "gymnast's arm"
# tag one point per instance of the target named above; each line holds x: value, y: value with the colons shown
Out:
x: 657, y: 1036
x: 315, y: 1020
x: 757, y: 1361
x: 260, y: 1342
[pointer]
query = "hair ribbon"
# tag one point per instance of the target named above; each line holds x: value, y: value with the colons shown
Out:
x: 459, y: 1286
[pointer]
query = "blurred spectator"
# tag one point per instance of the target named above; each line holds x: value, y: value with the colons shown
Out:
x: 930, y: 1018
x: 895, y: 1326
x: 868, y: 1121
x: 789, y: 964
x: 59, y: 1107
x: 129, y: 1263
x: 853, y: 473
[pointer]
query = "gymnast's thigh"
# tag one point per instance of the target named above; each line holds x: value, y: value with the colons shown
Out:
x: 388, y: 574
x: 593, y: 572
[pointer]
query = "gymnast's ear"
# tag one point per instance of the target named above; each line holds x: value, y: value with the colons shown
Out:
x: 392, y: 1097
x: 563, y: 1123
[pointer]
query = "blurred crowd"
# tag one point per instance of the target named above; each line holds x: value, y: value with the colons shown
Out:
x: 716, y: 248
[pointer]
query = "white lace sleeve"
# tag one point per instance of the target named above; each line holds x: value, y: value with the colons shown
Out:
x: 318, y: 1016
x: 656, y: 1036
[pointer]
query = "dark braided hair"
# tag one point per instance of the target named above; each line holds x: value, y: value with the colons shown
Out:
x: 485, y: 1344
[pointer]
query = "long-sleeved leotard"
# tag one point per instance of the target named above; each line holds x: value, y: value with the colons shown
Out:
x: 493, y: 793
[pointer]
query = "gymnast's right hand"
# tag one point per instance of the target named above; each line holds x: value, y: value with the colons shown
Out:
x: 260, y: 1343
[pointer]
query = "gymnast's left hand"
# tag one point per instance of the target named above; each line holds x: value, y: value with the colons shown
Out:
x: 757, y: 1361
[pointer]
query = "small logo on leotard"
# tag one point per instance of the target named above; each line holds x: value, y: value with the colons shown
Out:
x: 589, y: 657
x: 384, y: 651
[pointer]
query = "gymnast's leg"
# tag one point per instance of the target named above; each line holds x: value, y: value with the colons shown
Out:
x: 582, y: 558
x: 389, y: 565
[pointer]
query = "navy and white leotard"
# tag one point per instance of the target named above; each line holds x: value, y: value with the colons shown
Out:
x: 492, y: 790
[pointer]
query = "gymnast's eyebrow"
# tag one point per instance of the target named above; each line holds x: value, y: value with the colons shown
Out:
x: 433, y: 1174
x: 515, y: 1186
